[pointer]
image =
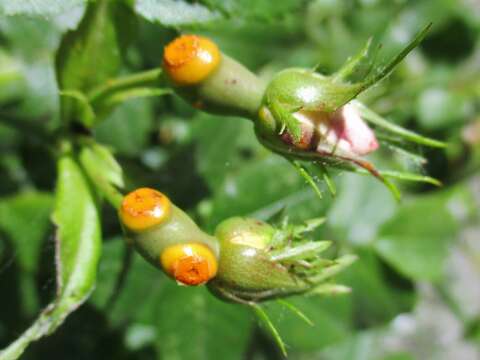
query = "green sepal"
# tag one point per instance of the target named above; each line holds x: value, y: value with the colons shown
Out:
x: 357, y: 64
x: 378, y: 121
x: 286, y: 120
x: 303, y: 171
x: 265, y: 319
x: 383, y: 71
x: 345, y: 164
x: 295, y: 311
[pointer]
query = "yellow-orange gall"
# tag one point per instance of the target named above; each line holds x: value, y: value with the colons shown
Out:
x: 189, y: 264
x: 189, y: 59
x: 144, y: 208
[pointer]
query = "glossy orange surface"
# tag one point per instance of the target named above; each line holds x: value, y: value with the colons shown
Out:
x: 144, y: 208
x: 189, y: 59
x: 189, y: 264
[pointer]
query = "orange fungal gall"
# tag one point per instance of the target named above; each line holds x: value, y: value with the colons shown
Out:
x: 189, y: 264
x: 144, y: 208
x: 189, y: 59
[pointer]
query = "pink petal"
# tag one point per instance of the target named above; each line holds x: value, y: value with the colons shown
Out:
x: 349, y: 126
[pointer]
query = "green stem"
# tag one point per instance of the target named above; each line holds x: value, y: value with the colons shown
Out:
x: 140, y: 79
x: 37, y: 330
x: 110, y: 192
x: 121, y: 278
x: 231, y: 90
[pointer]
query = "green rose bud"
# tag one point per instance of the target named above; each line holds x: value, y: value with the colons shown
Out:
x: 313, y: 117
x: 259, y: 262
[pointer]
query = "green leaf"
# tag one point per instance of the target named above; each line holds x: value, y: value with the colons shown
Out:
x: 360, y: 209
x: 175, y: 12
x: 440, y: 108
x: 77, y: 254
x: 103, y: 170
x: 41, y: 8
x: 143, y: 282
x: 99, y: 156
x: 128, y: 128
x: 259, y: 9
x: 263, y: 187
x: 331, y: 318
x: 78, y: 234
x: 33, y: 51
x: 191, y: 321
x: 187, y: 13
x: 90, y: 55
x: 25, y: 219
x: 220, y: 143
x: 417, y: 239
x: 377, y: 298
x: 11, y: 77
x: 365, y: 344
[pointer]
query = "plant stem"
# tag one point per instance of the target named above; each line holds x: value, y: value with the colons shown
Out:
x: 38, y: 329
x: 121, y: 278
x: 231, y: 90
x: 144, y: 78
x: 110, y: 192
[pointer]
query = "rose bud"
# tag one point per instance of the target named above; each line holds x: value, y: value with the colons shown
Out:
x: 259, y: 262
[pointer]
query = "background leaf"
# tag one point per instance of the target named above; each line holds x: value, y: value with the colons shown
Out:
x: 331, y: 316
x: 174, y: 13
x: 90, y: 54
x: 25, y: 220
x: 417, y: 239
x: 38, y: 7
x: 128, y: 129
x: 78, y: 251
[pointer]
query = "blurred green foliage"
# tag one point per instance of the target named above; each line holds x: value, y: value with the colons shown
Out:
x: 214, y: 168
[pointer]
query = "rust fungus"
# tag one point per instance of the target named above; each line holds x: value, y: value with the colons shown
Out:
x: 190, y: 59
x: 144, y: 208
x: 189, y: 264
